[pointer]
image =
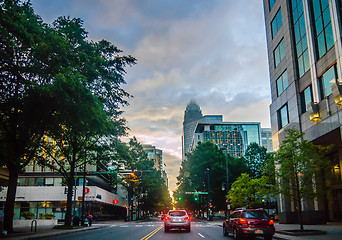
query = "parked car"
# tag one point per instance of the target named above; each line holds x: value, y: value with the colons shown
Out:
x: 249, y: 222
x: 177, y: 219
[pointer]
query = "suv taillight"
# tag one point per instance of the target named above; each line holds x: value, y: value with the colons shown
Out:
x: 166, y: 218
x: 187, y: 218
x: 271, y: 222
x: 242, y: 221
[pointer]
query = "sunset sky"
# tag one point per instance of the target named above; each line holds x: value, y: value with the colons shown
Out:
x: 212, y: 51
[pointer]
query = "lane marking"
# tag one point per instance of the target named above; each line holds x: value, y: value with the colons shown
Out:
x: 201, y: 235
x: 151, y: 233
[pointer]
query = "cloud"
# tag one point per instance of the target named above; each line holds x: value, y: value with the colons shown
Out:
x: 212, y: 51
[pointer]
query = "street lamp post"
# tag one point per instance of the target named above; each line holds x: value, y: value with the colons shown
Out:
x: 208, y: 214
x: 227, y: 176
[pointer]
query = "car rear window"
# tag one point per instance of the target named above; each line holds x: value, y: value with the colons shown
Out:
x: 256, y: 215
x: 177, y: 213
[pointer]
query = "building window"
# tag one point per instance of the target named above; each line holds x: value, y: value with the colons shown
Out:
x: 279, y: 53
x: 276, y: 23
x: 272, y: 2
x: 282, y: 83
x: 283, y: 116
x: 306, y: 98
x: 300, y: 37
x: 327, y: 80
x: 324, y: 34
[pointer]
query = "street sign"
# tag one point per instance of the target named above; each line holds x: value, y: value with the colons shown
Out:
x: 196, y: 193
x: 102, y: 172
x: 86, y: 190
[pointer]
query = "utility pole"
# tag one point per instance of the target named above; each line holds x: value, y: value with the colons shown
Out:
x: 208, y: 212
x: 227, y: 178
x: 83, y: 192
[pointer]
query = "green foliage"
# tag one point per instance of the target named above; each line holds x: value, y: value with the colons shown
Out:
x: 147, y: 187
x: 27, y: 215
x: 193, y: 176
x: 256, y: 157
x: 247, y: 192
x: 48, y: 215
x: 301, y: 167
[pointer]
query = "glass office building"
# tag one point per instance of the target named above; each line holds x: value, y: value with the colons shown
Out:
x: 232, y: 138
x: 305, y: 53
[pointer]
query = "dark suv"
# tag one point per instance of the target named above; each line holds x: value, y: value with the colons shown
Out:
x: 249, y: 222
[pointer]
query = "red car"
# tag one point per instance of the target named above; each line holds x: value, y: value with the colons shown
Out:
x: 249, y: 222
x: 177, y: 219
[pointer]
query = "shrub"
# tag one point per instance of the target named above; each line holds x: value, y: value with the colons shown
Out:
x: 48, y: 215
x: 27, y: 215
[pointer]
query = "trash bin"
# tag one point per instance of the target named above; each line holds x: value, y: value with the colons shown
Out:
x: 85, y: 222
x: 76, y: 221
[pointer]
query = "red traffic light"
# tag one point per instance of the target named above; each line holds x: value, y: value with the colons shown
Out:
x: 115, y: 201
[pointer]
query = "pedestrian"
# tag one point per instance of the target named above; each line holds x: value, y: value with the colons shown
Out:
x: 90, y: 217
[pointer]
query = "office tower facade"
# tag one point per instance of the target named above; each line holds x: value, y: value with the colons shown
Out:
x: 266, y: 139
x: 192, y: 115
x: 156, y: 155
x: 305, y: 53
x: 232, y: 137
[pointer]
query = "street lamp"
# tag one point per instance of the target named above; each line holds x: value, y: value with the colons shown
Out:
x: 227, y: 176
x: 208, y: 214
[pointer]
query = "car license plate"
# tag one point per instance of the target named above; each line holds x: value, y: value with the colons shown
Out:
x: 258, y: 231
x: 177, y: 220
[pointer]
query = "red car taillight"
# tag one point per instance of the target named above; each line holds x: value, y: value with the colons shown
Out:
x: 166, y: 218
x: 242, y: 221
x: 187, y: 218
x: 271, y: 222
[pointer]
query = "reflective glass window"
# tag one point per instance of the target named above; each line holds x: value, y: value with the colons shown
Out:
x: 300, y: 37
x: 282, y: 83
x: 306, y: 98
x: 279, y: 53
x: 327, y: 80
x: 272, y: 2
x: 283, y: 118
x: 323, y: 28
x: 276, y: 23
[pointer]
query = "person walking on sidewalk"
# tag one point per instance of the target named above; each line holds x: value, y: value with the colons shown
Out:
x: 90, y: 217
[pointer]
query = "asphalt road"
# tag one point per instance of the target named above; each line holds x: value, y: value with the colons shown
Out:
x: 148, y: 231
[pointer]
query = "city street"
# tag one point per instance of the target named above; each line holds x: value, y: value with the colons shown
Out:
x: 148, y: 230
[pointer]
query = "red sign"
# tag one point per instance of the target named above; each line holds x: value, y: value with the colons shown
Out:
x: 116, y: 201
x: 86, y: 190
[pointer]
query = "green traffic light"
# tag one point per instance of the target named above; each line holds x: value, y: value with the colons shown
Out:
x: 179, y: 198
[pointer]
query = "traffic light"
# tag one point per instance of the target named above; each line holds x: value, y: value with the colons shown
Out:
x: 179, y: 198
x: 196, y: 198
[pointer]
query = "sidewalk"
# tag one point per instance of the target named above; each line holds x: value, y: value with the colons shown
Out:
x: 333, y: 230
x: 44, y: 232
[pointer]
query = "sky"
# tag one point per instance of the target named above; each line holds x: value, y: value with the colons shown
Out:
x: 211, y: 51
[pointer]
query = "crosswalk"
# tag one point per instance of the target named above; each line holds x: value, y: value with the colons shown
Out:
x: 137, y: 225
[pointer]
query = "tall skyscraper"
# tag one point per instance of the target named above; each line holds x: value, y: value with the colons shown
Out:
x: 192, y: 115
x: 305, y: 53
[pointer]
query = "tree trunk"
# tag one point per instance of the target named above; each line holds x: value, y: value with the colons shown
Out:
x: 300, y: 217
x: 10, y: 199
x: 71, y: 183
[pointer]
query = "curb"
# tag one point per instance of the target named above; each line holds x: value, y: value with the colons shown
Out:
x: 52, y: 234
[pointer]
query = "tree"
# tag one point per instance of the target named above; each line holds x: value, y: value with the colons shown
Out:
x: 300, y: 167
x: 247, y: 192
x: 193, y: 174
x: 256, y: 157
x: 27, y: 49
x: 145, y: 184
x: 77, y: 129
